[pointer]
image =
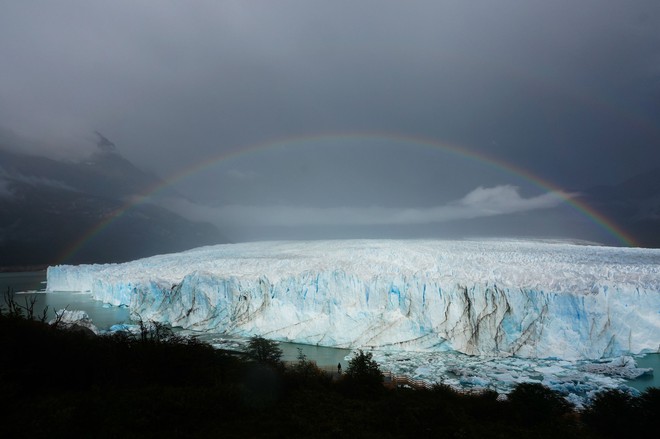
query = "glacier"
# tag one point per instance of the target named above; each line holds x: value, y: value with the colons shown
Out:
x: 490, y: 298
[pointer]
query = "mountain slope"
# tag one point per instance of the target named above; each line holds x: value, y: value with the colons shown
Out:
x: 47, y: 206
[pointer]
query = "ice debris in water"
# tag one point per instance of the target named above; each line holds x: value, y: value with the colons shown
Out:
x: 578, y: 381
x: 623, y: 367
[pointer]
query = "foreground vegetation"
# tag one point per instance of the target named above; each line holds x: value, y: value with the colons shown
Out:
x: 58, y: 382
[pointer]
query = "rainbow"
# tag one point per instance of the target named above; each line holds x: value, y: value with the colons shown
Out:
x: 149, y: 192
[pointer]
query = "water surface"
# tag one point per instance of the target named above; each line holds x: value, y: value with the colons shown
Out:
x: 32, y: 284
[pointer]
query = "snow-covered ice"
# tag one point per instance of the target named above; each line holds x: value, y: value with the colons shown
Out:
x: 488, y: 298
x: 72, y: 318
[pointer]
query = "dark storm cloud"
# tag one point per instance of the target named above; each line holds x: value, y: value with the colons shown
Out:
x: 5, y: 192
x: 567, y: 90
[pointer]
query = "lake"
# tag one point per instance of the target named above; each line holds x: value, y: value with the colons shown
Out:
x: 33, y: 284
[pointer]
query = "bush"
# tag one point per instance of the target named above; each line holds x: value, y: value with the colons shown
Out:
x: 13, y: 309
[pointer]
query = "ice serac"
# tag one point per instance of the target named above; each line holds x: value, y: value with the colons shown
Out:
x: 502, y: 298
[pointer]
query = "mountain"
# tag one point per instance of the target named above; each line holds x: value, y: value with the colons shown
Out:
x: 633, y: 204
x: 47, y: 206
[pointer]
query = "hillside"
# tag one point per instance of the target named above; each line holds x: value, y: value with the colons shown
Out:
x: 47, y: 206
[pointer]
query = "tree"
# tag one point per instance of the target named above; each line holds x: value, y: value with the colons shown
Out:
x: 535, y: 403
x: 363, y: 375
x: 613, y: 413
x: 363, y: 367
x: 264, y: 351
x: 305, y: 367
x: 306, y: 372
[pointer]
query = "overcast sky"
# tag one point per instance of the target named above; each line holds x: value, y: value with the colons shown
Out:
x: 567, y: 90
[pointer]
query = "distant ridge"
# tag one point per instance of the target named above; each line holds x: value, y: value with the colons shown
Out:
x: 46, y: 204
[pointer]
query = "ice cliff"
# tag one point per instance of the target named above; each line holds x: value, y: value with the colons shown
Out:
x: 495, y: 298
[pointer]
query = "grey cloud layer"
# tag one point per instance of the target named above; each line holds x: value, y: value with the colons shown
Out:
x: 537, y: 83
x: 567, y: 91
x: 481, y: 202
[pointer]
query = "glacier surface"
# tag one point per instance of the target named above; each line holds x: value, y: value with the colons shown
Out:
x: 485, y: 298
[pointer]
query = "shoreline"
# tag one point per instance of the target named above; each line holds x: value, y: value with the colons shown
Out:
x: 24, y: 268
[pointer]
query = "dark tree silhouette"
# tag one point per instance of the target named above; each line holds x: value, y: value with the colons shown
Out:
x: 614, y: 413
x: 535, y: 403
x: 363, y: 375
x: 264, y: 351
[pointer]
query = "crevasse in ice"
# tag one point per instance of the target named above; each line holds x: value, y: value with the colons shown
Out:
x: 494, y: 298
